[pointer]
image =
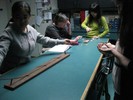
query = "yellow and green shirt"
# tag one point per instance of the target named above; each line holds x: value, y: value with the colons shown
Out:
x: 95, y: 27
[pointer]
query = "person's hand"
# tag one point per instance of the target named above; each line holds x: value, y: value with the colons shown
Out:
x: 67, y: 41
x: 71, y: 42
x: 77, y: 38
x: 95, y: 37
x: 105, y: 48
x: 88, y: 29
x: 68, y: 23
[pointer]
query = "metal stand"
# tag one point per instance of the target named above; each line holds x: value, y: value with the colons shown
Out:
x: 101, y: 86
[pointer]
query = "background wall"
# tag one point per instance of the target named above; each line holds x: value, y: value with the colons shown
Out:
x: 3, y: 14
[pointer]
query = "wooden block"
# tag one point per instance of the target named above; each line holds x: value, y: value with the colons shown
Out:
x: 16, y: 82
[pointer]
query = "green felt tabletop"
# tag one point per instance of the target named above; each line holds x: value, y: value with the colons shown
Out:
x: 66, y: 80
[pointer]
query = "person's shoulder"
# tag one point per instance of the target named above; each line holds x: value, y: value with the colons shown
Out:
x: 51, y: 27
x: 9, y: 29
x: 7, y: 32
x: 103, y: 17
x: 31, y: 29
x: 88, y: 16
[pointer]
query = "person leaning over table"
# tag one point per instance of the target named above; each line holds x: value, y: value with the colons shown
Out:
x: 122, y: 72
x: 60, y: 28
x: 94, y: 22
x: 18, y: 39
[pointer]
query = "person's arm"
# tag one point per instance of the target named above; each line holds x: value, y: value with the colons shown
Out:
x: 48, y: 41
x: 84, y: 24
x: 52, y: 32
x: 68, y: 28
x: 106, y: 48
x: 130, y: 66
x: 124, y: 61
x: 5, y: 40
x: 105, y: 26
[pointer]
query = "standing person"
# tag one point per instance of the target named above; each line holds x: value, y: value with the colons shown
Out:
x: 94, y: 22
x: 123, y: 52
x: 60, y: 28
x: 18, y: 39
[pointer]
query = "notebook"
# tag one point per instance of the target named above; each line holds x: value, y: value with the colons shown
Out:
x: 60, y: 48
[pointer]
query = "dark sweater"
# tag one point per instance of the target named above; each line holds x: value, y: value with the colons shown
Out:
x: 57, y: 33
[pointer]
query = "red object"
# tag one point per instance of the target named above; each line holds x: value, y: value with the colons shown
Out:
x: 77, y: 38
x: 82, y: 16
x: 73, y: 42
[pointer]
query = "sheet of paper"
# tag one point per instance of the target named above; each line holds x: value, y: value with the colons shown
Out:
x: 60, y: 48
x: 39, y: 20
x: 47, y: 15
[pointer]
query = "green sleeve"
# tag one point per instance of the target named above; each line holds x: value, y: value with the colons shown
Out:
x: 105, y: 26
x: 84, y: 23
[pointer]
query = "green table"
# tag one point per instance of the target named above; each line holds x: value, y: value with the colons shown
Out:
x: 69, y: 79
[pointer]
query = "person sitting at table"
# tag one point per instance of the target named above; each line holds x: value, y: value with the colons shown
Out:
x: 94, y: 22
x: 60, y: 28
x: 19, y: 38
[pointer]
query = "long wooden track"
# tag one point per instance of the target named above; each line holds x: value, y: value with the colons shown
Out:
x: 16, y: 82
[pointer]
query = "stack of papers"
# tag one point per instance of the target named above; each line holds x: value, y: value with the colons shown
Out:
x: 60, y: 48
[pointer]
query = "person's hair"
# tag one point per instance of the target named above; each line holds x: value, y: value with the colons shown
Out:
x: 18, y: 6
x: 59, y: 18
x: 94, y: 7
x: 126, y: 25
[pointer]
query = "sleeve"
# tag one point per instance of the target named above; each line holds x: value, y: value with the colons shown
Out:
x: 64, y: 34
x: 5, y: 40
x: 130, y: 65
x: 47, y: 41
x: 105, y: 26
x: 68, y: 29
x: 85, y: 22
x: 130, y: 69
x: 52, y: 33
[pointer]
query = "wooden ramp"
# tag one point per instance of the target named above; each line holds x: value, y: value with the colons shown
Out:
x: 16, y: 82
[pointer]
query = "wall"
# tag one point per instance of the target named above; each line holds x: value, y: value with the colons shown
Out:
x: 3, y: 15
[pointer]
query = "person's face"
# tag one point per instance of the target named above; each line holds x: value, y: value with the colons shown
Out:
x: 94, y: 14
x: 62, y: 24
x: 21, y: 19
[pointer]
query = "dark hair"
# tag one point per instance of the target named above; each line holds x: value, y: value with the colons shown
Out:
x: 94, y: 7
x: 126, y: 25
x: 17, y: 6
x: 60, y: 18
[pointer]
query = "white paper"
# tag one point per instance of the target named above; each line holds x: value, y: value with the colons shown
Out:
x: 39, y: 20
x: 86, y: 13
x: 47, y: 15
x: 60, y: 48
x: 39, y: 5
x: 45, y: 1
